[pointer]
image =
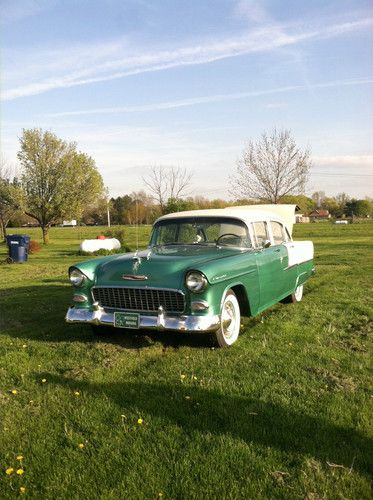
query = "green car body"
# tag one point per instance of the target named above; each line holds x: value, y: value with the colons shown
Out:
x: 237, y: 272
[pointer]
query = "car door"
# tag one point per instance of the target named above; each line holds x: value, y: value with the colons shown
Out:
x: 270, y: 264
x: 287, y: 276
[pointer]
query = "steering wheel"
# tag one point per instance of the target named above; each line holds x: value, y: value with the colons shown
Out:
x: 230, y: 235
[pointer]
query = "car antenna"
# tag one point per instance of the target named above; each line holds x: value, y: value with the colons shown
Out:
x: 137, y: 226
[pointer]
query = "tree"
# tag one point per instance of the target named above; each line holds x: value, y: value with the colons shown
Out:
x: 166, y: 183
x: 58, y: 181
x: 318, y: 198
x: 358, y: 208
x: 271, y: 168
x: 10, y: 198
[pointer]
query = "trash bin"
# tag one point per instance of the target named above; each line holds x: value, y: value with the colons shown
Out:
x: 18, y: 245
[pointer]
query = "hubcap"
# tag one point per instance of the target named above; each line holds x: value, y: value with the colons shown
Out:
x: 228, y: 319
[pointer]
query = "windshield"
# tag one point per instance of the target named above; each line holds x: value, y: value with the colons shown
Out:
x: 201, y: 231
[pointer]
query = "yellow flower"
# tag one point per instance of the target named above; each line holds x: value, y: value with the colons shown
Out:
x: 9, y: 471
x: 24, y: 345
x: 19, y: 457
x: 182, y: 377
x: 77, y: 393
x: 22, y: 489
x: 187, y: 397
x: 14, y: 391
x: 43, y: 380
x: 20, y: 472
x: 81, y: 445
x: 139, y: 421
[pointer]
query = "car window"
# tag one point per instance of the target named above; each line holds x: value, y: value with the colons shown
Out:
x: 278, y: 233
x: 261, y: 233
x: 202, y: 230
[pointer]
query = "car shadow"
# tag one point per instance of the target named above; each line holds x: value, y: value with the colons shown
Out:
x: 45, y: 306
x: 244, y: 418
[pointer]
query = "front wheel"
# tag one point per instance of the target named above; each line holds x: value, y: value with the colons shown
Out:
x: 230, y: 318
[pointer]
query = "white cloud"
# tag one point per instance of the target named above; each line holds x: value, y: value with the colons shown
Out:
x: 214, y: 98
x: 79, y: 65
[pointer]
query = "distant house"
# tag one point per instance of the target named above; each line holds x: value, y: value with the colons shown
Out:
x: 319, y: 214
x: 69, y: 223
x: 301, y: 218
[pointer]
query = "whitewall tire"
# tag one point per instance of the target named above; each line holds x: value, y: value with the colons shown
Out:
x: 230, y: 321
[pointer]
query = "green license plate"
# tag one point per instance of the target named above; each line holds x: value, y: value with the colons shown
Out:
x: 126, y: 320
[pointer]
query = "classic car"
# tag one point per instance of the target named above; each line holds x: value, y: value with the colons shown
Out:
x: 201, y: 272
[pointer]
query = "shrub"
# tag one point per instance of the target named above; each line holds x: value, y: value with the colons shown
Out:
x: 34, y: 247
x: 119, y: 234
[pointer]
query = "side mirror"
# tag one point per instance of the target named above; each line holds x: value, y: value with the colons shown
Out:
x: 266, y: 244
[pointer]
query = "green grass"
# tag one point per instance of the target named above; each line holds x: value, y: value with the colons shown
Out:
x: 285, y: 413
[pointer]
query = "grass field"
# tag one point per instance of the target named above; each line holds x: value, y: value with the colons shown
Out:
x: 285, y: 413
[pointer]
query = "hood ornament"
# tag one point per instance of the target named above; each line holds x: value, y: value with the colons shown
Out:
x: 136, y: 261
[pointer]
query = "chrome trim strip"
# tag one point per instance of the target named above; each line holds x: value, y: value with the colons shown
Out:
x: 205, y: 323
x: 134, y: 277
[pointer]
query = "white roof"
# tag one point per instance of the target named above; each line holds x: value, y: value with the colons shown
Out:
x: 246, y: 213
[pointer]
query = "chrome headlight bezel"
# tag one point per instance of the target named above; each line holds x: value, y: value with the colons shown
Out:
x: 76, y: 277
x: 195, y: 281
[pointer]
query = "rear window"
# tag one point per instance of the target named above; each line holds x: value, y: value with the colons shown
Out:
x: 278, y: 232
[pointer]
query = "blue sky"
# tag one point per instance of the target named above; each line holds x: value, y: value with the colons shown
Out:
x: 138, y: 83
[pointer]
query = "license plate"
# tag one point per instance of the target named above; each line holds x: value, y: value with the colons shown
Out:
x: 126, y: 320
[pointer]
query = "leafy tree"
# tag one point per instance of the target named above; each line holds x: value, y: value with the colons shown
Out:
x: 305, y: 204
x: 58, y: 181
x: 271, y: 168
x: 10, y: 198
x: 358, y: 208
x: 178, y: 205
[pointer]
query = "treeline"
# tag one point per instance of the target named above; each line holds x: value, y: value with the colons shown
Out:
x: 140, y: 208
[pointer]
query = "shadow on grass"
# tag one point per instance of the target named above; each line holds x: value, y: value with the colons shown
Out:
x: 38, y: 313
x: 253, y: 421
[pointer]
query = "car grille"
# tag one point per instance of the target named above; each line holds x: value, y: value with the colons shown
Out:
x: 139, y: 299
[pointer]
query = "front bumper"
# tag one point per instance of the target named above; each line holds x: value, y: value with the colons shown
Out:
x: 184, y: 323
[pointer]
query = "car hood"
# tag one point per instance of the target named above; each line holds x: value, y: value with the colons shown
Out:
x: 163, y: 267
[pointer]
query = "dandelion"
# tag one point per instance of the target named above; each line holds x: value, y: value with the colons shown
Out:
x: 9, y: 471
x: 24, y: 346
x: 22, y: 489
x: 194, y: 377
x: 14, y: 391
x: 20, y: 472
x: 139, y: 421
x: 19, y: 457
x: 43, y: 380
x: 182, y: 377
x: 77, y: 393
x: 81, y: 445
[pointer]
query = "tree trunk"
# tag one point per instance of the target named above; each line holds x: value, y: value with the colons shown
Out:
x: 2, y: 229
x: 45, y: 230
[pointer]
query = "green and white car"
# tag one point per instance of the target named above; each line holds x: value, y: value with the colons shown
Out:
x: 201, y: 272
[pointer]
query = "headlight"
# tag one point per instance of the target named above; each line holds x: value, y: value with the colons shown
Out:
x: 195, y: 281
x: 76, y: 277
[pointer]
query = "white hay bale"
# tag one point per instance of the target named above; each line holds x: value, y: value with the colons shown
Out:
x: 94, y: 245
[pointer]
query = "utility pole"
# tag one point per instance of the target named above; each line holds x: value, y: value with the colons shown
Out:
x: 108, y: 211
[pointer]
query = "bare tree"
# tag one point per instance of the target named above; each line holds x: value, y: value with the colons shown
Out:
x: 168, y: 182
x: 271, y: 168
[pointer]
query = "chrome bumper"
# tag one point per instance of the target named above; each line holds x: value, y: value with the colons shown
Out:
x: 207, y: 323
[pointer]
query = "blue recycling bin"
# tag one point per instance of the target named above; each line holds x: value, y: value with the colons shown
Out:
x: 18, y: 245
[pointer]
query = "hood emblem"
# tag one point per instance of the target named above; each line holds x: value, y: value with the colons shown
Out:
x: 134, y: 277
x: 136, y: 261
